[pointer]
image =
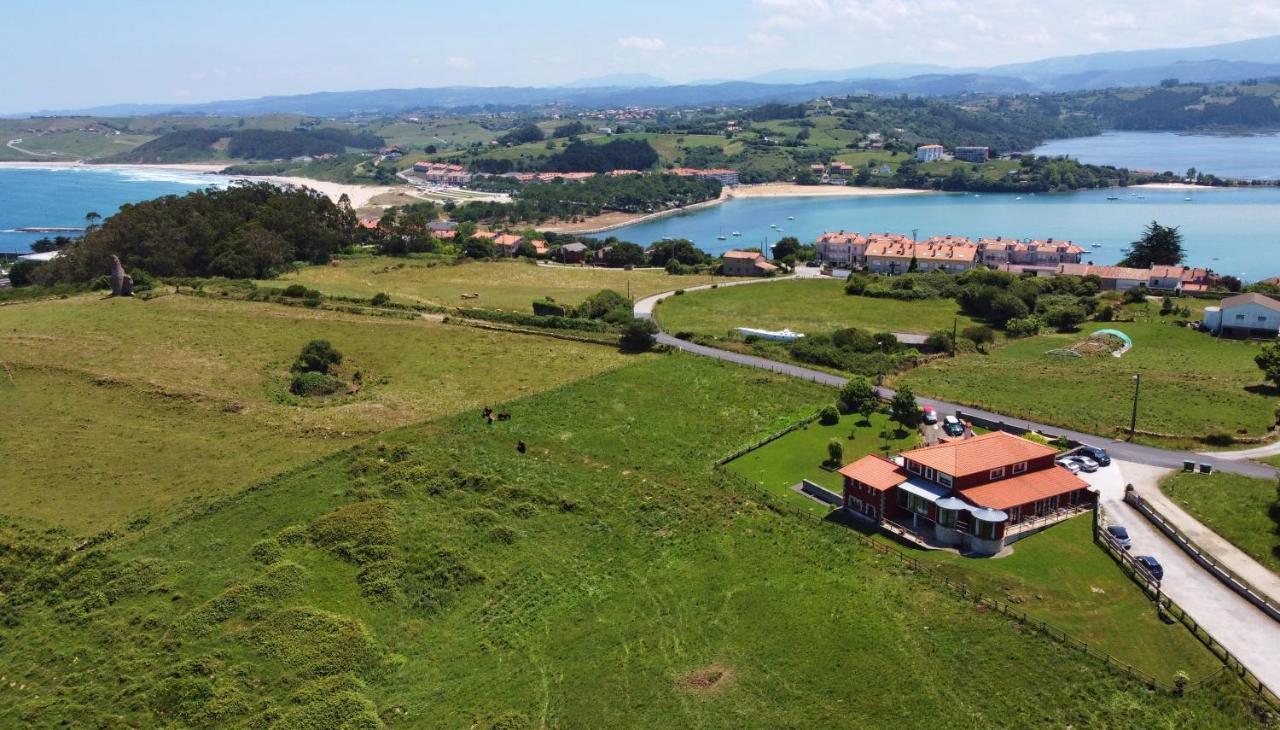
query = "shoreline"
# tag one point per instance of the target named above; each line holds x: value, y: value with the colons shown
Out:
x: 613, y: 221
x: 360, y: 195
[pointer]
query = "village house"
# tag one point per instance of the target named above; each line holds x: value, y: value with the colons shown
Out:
x: 894, y: 255
x: 929, y: 152
x: 1114, y: 278
x: 841, y: 249
x: 745, y: 263
x: 1244, y: 315
x: 442, y: 174
x: 973, y: 154
x: 978, y: 494
x: 1028, y: 255
x: 728, y: 178
x: 508, y: 243
x: 571, y: 253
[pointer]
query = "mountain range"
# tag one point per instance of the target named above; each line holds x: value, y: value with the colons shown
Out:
x: 1254, y: 58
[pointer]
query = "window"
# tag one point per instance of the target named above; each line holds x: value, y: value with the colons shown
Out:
x: 913, y: 467
x: 944, y: 479
x: 1262, y: 319
x: 996, y: 474
x: 1015, y: 514
x: 929, y: 473
x: 1239, y: 316
x: 984, y: 530
x: 917, y: 504
x: 1020, y: 467
x: 946, y: 517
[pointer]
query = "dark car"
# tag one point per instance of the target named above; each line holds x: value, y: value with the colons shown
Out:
x: 952, y: 426
x: 1152, y: 565
x: 1121, y: 535
x: 1097, y: 454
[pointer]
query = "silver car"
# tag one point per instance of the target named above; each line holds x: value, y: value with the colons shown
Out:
x: 1086, y: 464
x: 1069, y: 465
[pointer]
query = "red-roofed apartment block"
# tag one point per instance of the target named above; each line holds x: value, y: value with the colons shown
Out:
x: 978, y: 494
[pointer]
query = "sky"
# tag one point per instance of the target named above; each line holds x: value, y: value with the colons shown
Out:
x: 62, y: 54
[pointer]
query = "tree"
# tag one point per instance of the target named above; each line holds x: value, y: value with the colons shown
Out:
x: 903, y: 408
x: 20, y: 274
x: 479, y: 248
x: 91, y: 221
x: 1159, y: 246
x: 857, y: 396
x: 828, y: 416
x: 317, y: 356
x: 835, y: 452
x: 786, y: 246
x: 1268, y: 361
x: 979, y: 335
x: 1064, y: 318
x: 639, y: 335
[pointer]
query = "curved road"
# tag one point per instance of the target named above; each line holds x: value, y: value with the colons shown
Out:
x: 1150, y: 455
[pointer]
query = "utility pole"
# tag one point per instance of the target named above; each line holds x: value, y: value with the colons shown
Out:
x: 1133, y: 422
x: 914, y: 232
x: 955, y: 325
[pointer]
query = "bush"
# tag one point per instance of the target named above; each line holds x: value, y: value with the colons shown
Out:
x: 295, y: 291
x: 857, y: 396
x: 1106, y: 313
x: 639, y: 335
x: 828, y: 416
x: 20, y: 274
x: 1023, y: 327
x: 317, y: 356
x: 1065, y: 318
x: 979, y: 335
x: 1219, y: 438
x: 1136, y: 295
x: 313, y: 383
x: 835, y: 452
x: 381, y: 299
x: 857, y: 285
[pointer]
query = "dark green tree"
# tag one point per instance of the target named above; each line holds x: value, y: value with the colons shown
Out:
x: 1159, y: 246
x: 857, y: 396
x: 903, y: 408
x: 317, y: 356
x: 639, y: 335
x: 1268, y: 361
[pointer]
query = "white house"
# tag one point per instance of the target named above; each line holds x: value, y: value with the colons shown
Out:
x: 1244, y: 315
x: 929, y: 152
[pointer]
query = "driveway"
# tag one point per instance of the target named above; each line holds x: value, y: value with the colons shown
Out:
x: 1248, y: 633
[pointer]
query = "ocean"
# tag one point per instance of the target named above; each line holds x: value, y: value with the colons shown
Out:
x: 59, y: 197
x: 1233, y: 231
x: 1250, y: 157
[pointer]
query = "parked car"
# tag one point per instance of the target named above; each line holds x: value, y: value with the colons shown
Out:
x: 1152, y: 565
x: 1096, y: 453
x: 930, y: 415
x: 1121, y: 535
x: 1086, y: 464
x: 1069, y: 465
x: 952, y: 426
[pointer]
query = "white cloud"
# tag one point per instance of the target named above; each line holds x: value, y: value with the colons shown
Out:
x: 766, y: 41
x: 639, y: 43
x: 458, y: 63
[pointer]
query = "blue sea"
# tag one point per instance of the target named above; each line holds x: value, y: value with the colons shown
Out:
x: 1247, y: 157
x: 50, y: 197
x: 1233, y: 231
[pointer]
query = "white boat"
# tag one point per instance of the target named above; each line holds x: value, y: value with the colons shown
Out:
x: 1097, y: 245
x: 1187, y: 198
x: 1113, y: 197
x: 791, y: 217
x: 782, y: 335
x: 1018, y: 198
x: 737, y: 233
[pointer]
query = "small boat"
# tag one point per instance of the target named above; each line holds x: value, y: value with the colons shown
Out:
x: 773, y: 225
x: 1113, y: 197
x: 1097, y: 245
x: 1187, y: 198
x: 791, y: 217
x: 1018, y: 198
x: 722, y: 237
x: 782, y: 335
x: 737, y: 233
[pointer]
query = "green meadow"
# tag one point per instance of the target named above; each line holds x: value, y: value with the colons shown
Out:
x: 1244, y: 510
x: 436, y: 577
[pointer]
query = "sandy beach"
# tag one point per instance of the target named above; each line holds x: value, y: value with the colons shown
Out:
x: 610, y: 221
x: 360, y: 195
x: 1180, y: 186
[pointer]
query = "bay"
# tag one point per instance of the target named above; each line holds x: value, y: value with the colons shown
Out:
x: 1246, y: 157
x: 1231, y: 230
x: 48, y: 197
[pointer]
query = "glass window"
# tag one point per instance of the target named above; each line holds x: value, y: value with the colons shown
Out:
x: 944, y: 479
x: 997, y: 473
x: 946, y: 517
x: 1019, y: 468
x: 985, y: 530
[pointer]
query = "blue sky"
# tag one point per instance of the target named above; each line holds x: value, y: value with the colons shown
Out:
x: 75, y: 53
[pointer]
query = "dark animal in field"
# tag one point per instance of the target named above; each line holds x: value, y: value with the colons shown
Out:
x: 504, y: 416
x: 520, y: 446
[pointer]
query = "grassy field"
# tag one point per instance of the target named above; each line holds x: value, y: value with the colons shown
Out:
x: 1057, y: 576
x: 606, y: 578
x: 511, y: 285
x: 1192, y: 384
x: 133, y: 406
x: 782, y: 463
x: 804, y: 306
x: 1241, y: 509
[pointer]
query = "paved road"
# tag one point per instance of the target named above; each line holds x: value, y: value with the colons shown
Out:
x: 1118, y: 449
x: 1248, y: 633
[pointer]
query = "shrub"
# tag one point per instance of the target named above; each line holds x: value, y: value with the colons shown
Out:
x: 20, y: 274
x: 296, y: 291
x: 939, y: 341
x: 639, y: 335
x: 1023, y: 327
x: 828, y: 416
x: 1065, y: 318
x: 266, y: 551
x: 835, y: 452
x: 317, y: 356
x: 1136, y: 295
x: 856, y: 285
x: 312, y: 383
x: 1219, y: 438
x: 857, y: 396
x: 1106, y: 313
x: 381, y: 299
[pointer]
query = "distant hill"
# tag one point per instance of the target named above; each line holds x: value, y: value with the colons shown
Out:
x: 195, y: 145
x: 619, y: 81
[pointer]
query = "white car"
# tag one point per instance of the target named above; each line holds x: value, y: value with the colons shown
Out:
x: 1086, y: 464
x: 1069, y: 465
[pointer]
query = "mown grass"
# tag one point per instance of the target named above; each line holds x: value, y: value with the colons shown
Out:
x: 122, y: 406
x: 811, y: 306
x: 782, y: 463
x: 442, y: 579
x: 1192, y: 384
x: 1244, y: 510
x: 510, y: 285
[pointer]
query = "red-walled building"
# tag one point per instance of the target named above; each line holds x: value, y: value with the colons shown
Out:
x: 979, y: 493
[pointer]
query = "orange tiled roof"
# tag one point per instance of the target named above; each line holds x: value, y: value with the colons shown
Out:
x: 507, y: 239
x: 979, y: 454
x: 875, y: 472
x: 1024, y: 488
x: 736, y: 254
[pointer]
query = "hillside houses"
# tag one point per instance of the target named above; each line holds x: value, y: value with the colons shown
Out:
x: 745, y: 263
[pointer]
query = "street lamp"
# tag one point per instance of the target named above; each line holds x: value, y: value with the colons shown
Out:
x: 1133, y: 422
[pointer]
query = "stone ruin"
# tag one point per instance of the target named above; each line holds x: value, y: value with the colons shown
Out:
x: 121, y: 283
